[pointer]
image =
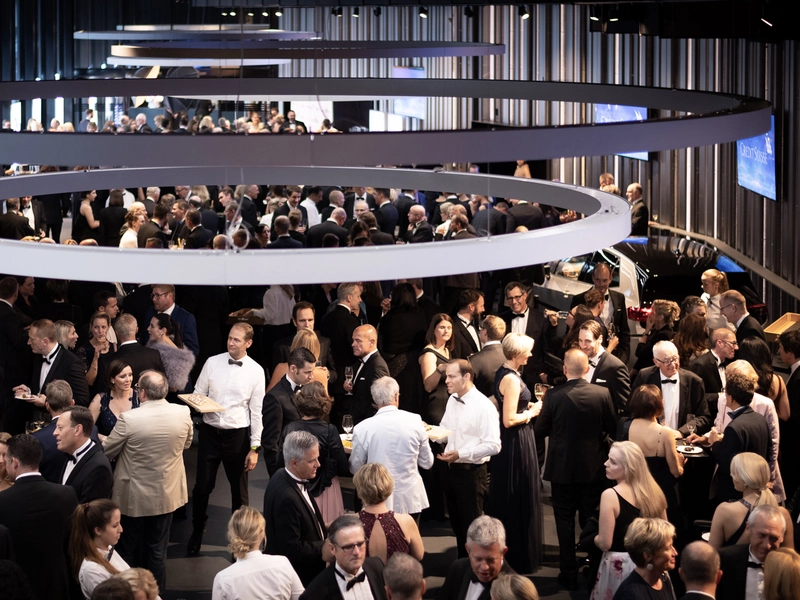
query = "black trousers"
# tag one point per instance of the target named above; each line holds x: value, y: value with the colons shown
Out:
x: 465, y: 488
x: 569, y: 498
x: 226, y: 446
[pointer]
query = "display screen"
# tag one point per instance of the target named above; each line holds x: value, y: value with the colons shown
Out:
x: 313, y: 113
x: 409, y: 107
x: 614, y: 113
x: 755, y: 163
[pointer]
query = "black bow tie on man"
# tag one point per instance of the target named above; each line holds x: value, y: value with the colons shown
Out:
x: 238, y: 363
x: 357, y: 579
x: 669, y: 381
x: 474, y: 579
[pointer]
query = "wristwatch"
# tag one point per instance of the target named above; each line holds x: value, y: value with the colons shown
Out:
x: 255, y: 448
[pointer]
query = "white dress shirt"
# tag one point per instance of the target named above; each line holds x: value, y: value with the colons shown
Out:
x: 359, y: 591
x: 754, y: 583
x: 48, y: 362
x: 397, y: 440
x: 79, y: 454
x: 27, y: 212
x: 520, y: 324
x: 714, y: 318
x: 670, y: 392
x: 607, y: 316
x: 257, y: 576
x: 593, y: 364
x: 794, y: 367
x: 361, y: 364
x: 92, y: 574
x: 240, y: 390
x: 313, y: 213
x: 474, y: 590
x: 476, y: 428
x: 277, y: 306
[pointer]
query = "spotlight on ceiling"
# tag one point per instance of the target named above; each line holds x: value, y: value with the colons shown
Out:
x: 339, y: 12
x: 613, y: 15
x: 468, y: 12
x: 377, y: 11
x: 250, y: 14
x: 423, y: 12
x: 524, y: 13
x: 765, y: 16
x: 594, y: 14
x: 355, y: 12
x: 278, y: 12
x: 224, y: 14
x: 232, y: 13
x: 265, y: 14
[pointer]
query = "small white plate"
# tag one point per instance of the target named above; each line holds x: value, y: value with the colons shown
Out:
x: 690, y: 450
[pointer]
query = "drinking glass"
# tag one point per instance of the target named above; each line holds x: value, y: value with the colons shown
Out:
x: 691, y: 424
x: 348, y: 377
x: 347, y: 425
x: 538, y: 390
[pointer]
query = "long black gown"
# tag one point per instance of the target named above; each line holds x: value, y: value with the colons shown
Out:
x: 515, y: 489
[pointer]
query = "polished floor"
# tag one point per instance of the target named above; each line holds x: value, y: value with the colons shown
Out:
x: 192, y: 578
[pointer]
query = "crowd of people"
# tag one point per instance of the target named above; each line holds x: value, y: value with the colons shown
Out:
x: 453, y: 405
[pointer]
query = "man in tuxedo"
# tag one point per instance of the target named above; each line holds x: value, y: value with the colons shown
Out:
x: 209, y: 218
x: 614, y: 311
x: 15, y: 358
x: 283, y: 241
x: 733, y: 307
x: 248, y: 202
x: 33, y: 211
x: 178, y: 220
x: 490, y: 358
x: 13, y: 226
x: 51, y: 362
x: 352, y: 574
x: 699, y: 570
x: 465, y: 328
x: 292, y: 202
x: 339, y: 324
x: 197, y: 236
x: 154, y: 228
x: 425, y: 302
x: 577, y: 416
x: 640, y: 216
x: 335, y: 200
x: 86, y: 470
x: 150, y: 478
x: 682, y: 390
x: 521, y: 318
x: 747, y: 432
x: 403, y: 577
x: 710, y: 367
x: 152, y: 196
x: 376, y: 236
x: 163, y: 296
x: 303, y: 317
x: 279, y: 408
x: 396, y: 439
x: 141, y: 124
x: 489, y: 222
x: 385, y: 212
x: 292, y: 125
x: 59, y: 397
x: 233, y: 221
x: 524, y: 214
x: 789, y: 352
x: 139, y: 358
x: 418, y: 230
x: 605, y: 369
x: 38, y: 515
x: 743, y: 565
x: 295, y: 528
x: 358, y: 194
x: 333, y: 224
x: 403, y: 204
x: 369, y: 367
x: 472, y: 577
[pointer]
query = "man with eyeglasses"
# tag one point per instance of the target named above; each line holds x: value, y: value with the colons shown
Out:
x: 733, y: 307
x: 352, y: 575
x: 682, y: 390
x: 163, y: 297
x: 710, y: 367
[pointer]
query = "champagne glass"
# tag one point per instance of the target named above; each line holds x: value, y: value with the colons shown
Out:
x: 347, y: 425
x: 691, y: 424
x: 348, y: 377
x: 612, y: 330
x: 538, y: 391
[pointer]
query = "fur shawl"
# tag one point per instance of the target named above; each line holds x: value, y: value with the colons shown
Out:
x: 178, y: 363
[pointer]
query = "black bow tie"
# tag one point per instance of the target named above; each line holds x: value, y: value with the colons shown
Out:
x: 517, y: 315
x: 606, y: 297
x: 754, y: 565
x: 474, y: 579
x: 238, y: 363
x: 357, y: 579
x: 49, y: 359
x: 74, y: 458
x: 593, y: 364
x: 669, y: 381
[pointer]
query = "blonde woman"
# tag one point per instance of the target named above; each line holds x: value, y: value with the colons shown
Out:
x: 715, y: 283
x: 635, y: 495
x: 254, y: 574
x: 649, y: 543
x: 513, y: 587
x: 781, y: 574
x: 66, y: 334
x: 750, y: 474
x: 142, y: 583
x: 305, y: 338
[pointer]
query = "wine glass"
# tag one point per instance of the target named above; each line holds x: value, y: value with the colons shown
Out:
x: 538, y: 391
x: 347, y: 425
x: 348, y: 377
x: 691, y: 424
x: 612, y: 330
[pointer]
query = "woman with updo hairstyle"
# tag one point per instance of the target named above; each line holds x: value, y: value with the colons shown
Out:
x: 165, y: 336
x: 304, y: 338
x: 66, y: 334
x: 96, y: 529
x: 314, y: 404
x: 691, y: 339
x: 649, y: 544
x: 254, y: 574
x: 751, y: 475
x: 715, y: 283
x: 781, y: 574
x: 142, y: 583
x: 134, y: 221
x: 659, y: 328
x: 513, y: 587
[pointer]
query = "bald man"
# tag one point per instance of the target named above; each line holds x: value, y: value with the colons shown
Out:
x: 368, y: 367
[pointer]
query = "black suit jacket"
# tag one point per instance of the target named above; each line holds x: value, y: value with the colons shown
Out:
x: 429, y: 307
x: 111, y: 218
x: 338, y: 326
x: 620, y: 320
x: 790, y: 437
x: 733, y: 562
x: 749, y: 328
x: 53, y: 460
x: 489, y: 222
x: 485, y: 364
x: 198, y: 238
x: 140, y: 358
x: 456, y: 584
x: 576, y: 416
x: 283, y: 211
x: 39, y: 221
x: 403, y: 204
x: 464, y: 343
x: 148, y: 230
x: 209, y: 219
x: 277, y: 411
x: 379, y: 238
x: 544, y: 337
x: 284, y: 243
x: 92, y: 477
x: 361, y: 400
x: 422, y: 233
x: 387, y: 217
x: 694, y: 596
x: 38, y: 515
x: 15, y: 356
x: 65, y: 366
x: 315, y: 234
x: 612, y: 374
x: 293, y: 529
x: 692, y: 397
x: 280, y: 354
x: 248, y: 211
x: 350, y: 200
x: 14, y: 226
x: 325, y: 587
x: 747, y: 432
x: 640, y: 218
x: 526, y: 215
x: 705, y: 367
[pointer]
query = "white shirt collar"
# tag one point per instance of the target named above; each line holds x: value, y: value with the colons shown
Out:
x: 366, y: 357
x: 794, y: 367
x: 491, y: 343
x: 29, y: 474
x: 387, y: 408
x: 128, y: 342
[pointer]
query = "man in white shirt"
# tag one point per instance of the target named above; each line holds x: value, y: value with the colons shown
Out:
x: 313, y: 198
x: 475, y: 438
x: 233, y: 436
x: 397, y: 440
